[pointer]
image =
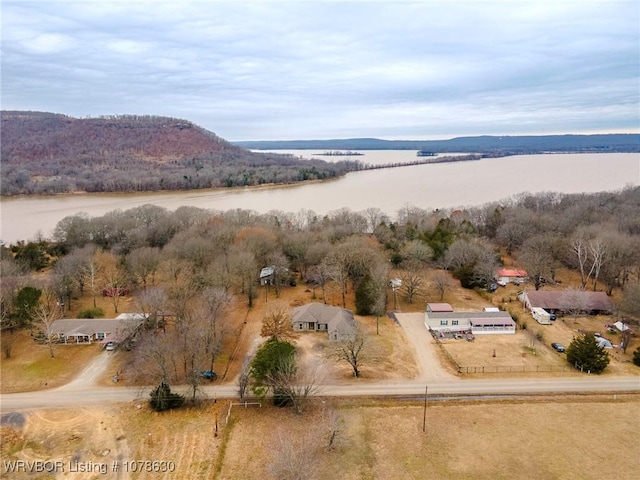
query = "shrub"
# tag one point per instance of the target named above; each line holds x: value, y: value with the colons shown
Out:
x: 162, y: 398
x: 636, y: 357
x: 95, y: 312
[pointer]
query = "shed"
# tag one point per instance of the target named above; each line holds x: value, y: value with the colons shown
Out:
x: 511, y: 275
x: 267, y: 275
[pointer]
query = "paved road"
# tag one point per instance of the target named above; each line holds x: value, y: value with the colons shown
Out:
x: 85, y: 396
x: 82, y: 392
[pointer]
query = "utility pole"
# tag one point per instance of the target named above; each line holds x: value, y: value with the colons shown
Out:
x: 424, y: 415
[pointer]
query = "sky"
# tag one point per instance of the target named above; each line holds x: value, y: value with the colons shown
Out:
x: 285, y: 70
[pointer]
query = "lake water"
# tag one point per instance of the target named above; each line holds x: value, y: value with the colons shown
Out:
x: 444, y: 185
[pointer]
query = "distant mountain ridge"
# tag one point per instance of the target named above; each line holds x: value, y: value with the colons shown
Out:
x: 615, y: 142
x: 44, y: 153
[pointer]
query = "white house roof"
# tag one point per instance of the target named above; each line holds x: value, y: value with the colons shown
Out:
x: 266, y: 272
x: 621, y: 326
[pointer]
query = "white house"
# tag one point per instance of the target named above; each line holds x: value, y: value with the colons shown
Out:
x: 442, y: 321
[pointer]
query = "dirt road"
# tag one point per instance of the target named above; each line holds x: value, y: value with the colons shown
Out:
x: 424, y: 346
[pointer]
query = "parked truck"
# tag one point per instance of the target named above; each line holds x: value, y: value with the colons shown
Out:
x: 541, y: 315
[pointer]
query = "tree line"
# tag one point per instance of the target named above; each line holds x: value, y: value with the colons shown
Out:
x: 187, y: 266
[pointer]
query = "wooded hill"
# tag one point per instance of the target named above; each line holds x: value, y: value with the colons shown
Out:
x: 45, y: 153
x: 497, y: 145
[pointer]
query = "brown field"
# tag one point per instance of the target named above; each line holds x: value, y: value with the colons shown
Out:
x: 586, y: 437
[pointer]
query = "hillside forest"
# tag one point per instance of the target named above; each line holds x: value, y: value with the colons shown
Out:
x: 193, y: 262
x: 47, y: 153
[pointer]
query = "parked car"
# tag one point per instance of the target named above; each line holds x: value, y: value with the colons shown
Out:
x: 492, y: 287
x: 558, y: 347
x: 207, y: 374
x: 110, y: 346
x: 552, y: 316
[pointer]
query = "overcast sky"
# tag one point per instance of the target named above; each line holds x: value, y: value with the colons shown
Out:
x: 267, y: 70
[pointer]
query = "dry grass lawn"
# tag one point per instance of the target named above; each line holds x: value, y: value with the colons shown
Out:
x: 32, y: 368
x: 586, y: 437
x: 390, y: 356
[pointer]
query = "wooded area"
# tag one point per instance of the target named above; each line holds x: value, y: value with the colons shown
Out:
x: 46, y: 153
x: 192, y: 261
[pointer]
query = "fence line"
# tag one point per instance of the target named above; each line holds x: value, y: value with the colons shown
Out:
x: 513, y: 369
x: 446, y: 352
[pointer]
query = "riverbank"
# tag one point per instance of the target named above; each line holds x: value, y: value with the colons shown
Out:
x: 429, y: 186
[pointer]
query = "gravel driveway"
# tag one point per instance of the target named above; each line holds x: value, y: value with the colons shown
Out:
x: 424, y: 346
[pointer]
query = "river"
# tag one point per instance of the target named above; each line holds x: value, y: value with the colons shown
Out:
x: 440, y: 185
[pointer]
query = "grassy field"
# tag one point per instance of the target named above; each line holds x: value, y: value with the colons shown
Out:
x: 585, y: 437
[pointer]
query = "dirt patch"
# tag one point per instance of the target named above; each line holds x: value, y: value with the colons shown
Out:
x: 386, y: 356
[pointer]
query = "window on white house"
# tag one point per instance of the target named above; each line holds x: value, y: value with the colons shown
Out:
x: 444, y: 322
x: 454, y: 322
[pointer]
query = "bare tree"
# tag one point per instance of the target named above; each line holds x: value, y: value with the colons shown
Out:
x: 332, y: 424
x: 143, y: 263
x: 155, y: 357
x: 295, y: 385
x: 537, y: 258
x: 598, y: 251
x: 374, y: 217
x: 244, y: 378
x: 216, y: 302
x: 91, y: 275
x: 112, y: 276
x: 46, y: 313
x: 294, y: 460
x: 353, y: 351
x: 441, y: 282
x: 243, y: 264
x: 319, y: 275
x: 412, y: 284
x: 580, y: 247
x: 574, y: 302
x: 152, y: 302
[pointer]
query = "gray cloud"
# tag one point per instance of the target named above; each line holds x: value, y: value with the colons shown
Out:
x: 286, y: 70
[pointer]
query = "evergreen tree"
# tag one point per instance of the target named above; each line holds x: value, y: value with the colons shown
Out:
x: 585, y: 353
x: 270, y: 361
x: 636, y: 357
x: 365, y: 296
x: 162, y: 398
x: 26, y: 302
